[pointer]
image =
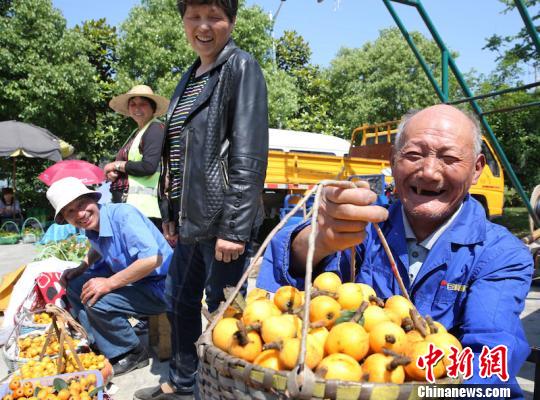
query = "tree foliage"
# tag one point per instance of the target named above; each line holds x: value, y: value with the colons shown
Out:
x: 382, y: 80
x: 517, y: 131
x: 519, y: 135
x: 283, y: 97
x: 63, y: 79
x: 314, y: 111
x: 517, y: 48
x: 292, y: 52
x: 45, y: 77
x: 153, y: 49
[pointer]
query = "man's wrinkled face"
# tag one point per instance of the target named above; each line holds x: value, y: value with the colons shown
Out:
x: 82, y: 213
x: 436, y: 166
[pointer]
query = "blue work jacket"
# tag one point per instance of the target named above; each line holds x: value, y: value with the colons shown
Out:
x: 474, y: 280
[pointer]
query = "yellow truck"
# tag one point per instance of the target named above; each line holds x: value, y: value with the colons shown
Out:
x: 298, y: 160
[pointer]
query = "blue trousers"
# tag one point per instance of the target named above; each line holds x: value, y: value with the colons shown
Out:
x: 107, y: 320
x: 194, y: 270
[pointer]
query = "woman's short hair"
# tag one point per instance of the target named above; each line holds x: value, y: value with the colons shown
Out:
x: 6, y: 190
x: 149, y: 100
x: 230, y: 7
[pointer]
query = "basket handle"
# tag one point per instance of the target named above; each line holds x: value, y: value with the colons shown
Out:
x: 300, y: 369
x: 12, y: 223
x: 224, y: 305
x: 32, y: 219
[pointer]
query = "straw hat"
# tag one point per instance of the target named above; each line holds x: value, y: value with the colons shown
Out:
x: 64, y: 191
x: 120, y: 102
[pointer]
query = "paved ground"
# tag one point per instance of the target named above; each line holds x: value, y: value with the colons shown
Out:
x: 12, y: 256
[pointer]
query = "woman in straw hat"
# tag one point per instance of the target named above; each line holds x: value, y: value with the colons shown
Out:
x: 135, y: 172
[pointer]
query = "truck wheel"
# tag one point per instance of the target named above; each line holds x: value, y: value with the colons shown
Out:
x: 483, y: 201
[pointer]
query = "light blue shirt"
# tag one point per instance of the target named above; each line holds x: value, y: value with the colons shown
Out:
x: 418, y: 252
x: 125, y: 236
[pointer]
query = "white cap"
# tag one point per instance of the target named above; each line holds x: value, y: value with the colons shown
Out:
x: 64, y: 191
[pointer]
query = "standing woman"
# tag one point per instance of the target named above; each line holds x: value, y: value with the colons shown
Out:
x: 135, y: 173
x: 215, y: 159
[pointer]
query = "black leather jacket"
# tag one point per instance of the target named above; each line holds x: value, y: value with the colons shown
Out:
x: 226, y: 152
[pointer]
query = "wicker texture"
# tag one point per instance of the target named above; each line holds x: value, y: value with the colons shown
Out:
x: 223, y: 377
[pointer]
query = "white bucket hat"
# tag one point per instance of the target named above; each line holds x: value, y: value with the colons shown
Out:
x: 64, y: 191
x: 120, y: 102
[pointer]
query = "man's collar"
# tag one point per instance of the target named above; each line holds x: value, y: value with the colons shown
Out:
x: 105, y: 228
x: 428, y: 242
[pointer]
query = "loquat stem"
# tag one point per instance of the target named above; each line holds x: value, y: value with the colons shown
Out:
x: 273, y: 345
x: 359, y: 313
x: 241, y: 334
x: 317, y: 324
x: 432, y: 327
x: 397, y: 361
x: 377, y: 300
x: 407, y: 324
x: 418, y: 322
x: 317, y: 292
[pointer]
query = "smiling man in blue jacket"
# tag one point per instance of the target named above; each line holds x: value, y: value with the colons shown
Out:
x: 466, y: 272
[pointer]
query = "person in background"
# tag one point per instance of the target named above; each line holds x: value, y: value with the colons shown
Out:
x: 122, y: 275
x: 10, y: 209
x: 215, y: 161
x: 469, y: 274
x: 135, y: 172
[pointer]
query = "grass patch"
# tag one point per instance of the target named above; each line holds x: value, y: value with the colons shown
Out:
x: 515, y: 219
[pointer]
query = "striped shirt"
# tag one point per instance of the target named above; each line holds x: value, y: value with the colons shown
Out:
x: 175, y: 134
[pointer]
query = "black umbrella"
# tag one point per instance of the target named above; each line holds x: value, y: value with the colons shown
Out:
x: 22, y: 139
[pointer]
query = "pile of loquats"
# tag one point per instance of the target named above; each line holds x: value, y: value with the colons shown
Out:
x: 353, y: 335
x: 30, y: 346
x: 48, y: 366
x: 42, y: 318
x: 76, y: 388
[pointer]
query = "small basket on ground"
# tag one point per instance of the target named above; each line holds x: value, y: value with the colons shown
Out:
x: 25, y: 328
x: 222, y: 376
x: 34, y: 233
x: 8, y: 236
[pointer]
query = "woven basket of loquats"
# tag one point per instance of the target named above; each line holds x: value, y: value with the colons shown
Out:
x: 353, y: 345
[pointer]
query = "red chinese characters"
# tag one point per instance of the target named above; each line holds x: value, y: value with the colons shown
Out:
x: 461, y: 363
x: 494, y: 362
x: 491, y: 362
x: 428, y: 361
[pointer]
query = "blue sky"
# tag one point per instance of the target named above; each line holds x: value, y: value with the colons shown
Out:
x: 463, y: 24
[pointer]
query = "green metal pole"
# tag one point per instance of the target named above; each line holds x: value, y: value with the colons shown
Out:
x: 496, y: 93
x: 528, y: 23
x: 415, y: 50
x: 444, y: 77
x: 463, y: 84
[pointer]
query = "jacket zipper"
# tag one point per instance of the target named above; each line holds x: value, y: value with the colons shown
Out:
x: 224, y: 171
x: 181, y: 211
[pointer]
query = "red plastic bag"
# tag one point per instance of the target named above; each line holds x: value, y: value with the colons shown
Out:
x: 49, y: 290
